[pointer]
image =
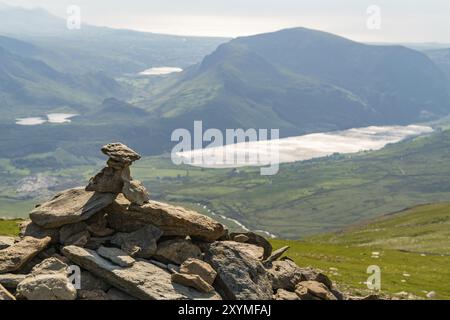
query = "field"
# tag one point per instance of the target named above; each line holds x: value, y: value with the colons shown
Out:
x: 413, y: 247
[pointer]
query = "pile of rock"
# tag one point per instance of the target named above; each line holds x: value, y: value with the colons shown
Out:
x: 110, y: 241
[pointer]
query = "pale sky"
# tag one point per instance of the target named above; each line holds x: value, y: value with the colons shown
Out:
x: 400, y: 20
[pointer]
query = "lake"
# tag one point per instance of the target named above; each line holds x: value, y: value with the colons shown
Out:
x: 50, y: 118
x: 299, y: 148
x: 160, y: 71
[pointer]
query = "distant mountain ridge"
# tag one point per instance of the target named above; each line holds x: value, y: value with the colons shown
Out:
x: 303, y: 80
x: 28, y: 85
x: 94, y: 48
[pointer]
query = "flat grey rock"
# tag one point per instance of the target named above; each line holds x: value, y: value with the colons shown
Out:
x: 143, y: 280
x: 70, y: 206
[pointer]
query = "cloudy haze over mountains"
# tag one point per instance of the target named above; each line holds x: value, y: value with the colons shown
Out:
x: 402, y: 20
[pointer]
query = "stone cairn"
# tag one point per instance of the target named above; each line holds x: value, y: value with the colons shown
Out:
x: 109, y: 241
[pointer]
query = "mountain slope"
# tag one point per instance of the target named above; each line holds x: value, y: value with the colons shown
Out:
x: 412, y: 250
x: 29, y: 87
x: 302, y: 80
x: 441, y: 57
x: 93, y: 49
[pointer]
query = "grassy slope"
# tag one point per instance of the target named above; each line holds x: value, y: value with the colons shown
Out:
x: 9, y: 227
x: 414, y: 242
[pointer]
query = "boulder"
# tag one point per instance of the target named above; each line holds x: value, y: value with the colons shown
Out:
x: 17, y: 255
x: 116, y: 256
x: 143, y: 280
x: 200, y: 268
x: 5, y: 294
x: 173, y: 221
x: 120, y: 153
x: 240, y: 276
x: 140, y: 243
x: 97, y: 225
x: 70, y: 206
x: 285, y: 275
x: 50, y: 266
x: 310, y: 274
x: 286, y: 295
x: 6, y: 242
x: 31, y: 229
x: 255, y: 239
x: 47, y: 287
x: 70, y: 233
x: 135, y: 192
x: 250, y: 249
x: 107, y: 180
x: 313, y: 290
x: 177, y: 251
x: 193, y: 281
x: 47, y: 281
x: 11, y: 280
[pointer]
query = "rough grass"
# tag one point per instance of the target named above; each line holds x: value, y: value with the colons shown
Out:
x: 413, y: 247
x: 9, y: 227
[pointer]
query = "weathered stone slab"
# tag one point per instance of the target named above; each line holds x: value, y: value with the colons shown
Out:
x: 120, y: 153
x: 173, y: 221
x: 17, y: 255
x: 200, y: 268
x: 70, y: 206
x: 177, y: 251
x: 239, y: 275
x: 116, y: 256
x: 47, y: 281
x: 140, y: 243
x: 143, y: 280
x: 107, y: 180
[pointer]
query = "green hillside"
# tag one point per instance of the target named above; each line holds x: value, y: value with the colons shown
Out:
x: 413, y: 247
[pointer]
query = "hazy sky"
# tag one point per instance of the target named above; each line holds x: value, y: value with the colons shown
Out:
x: 401, y: 20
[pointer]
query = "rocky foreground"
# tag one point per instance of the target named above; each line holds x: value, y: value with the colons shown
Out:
x: 109, y: 241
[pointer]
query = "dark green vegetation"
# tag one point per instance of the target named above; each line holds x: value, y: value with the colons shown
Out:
x: 29, y: 87
x: 302, y: 80
x: 413, y: 246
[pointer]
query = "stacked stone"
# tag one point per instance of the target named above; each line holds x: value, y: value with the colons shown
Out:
x: 116, y: 177
x: 130, y: 247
